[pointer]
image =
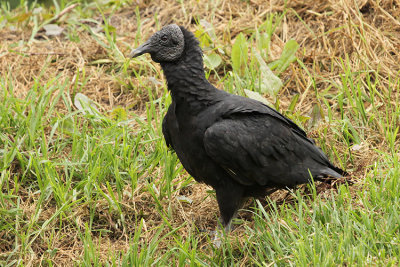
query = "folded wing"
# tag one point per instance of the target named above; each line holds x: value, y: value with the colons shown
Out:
x: 262, y: 149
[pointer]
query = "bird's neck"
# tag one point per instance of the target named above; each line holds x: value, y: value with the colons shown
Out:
x: 186, y: 78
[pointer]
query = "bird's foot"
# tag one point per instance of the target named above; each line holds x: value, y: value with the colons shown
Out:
x: 218, y: 235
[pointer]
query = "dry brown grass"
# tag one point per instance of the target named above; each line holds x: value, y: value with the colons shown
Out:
x: 326, y: 31
x: 366, y: 32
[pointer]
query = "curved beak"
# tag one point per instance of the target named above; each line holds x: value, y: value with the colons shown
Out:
x: 144, y: 48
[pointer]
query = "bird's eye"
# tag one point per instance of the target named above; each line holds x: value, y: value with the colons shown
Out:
x: 164, y: 38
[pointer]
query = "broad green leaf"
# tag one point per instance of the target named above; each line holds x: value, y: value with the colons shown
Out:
x: 257, y: 96
x: 212, y: 61
x: 287, y: 57
x: 209, y: 29
x: 85, y: 104
x: 263, y: 42
x: 302, y: 119
x: 293, y: 102
x: 316, y: 115
x: 268, y: 82
x: 203, y: 37
x: 68, y: 125
x: 239, y: 54
x: 353, y: 133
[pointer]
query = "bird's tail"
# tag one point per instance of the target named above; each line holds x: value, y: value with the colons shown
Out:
x: 336, y: 172
x: 332, y: 173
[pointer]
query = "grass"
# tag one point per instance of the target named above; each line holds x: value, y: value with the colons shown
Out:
x: 95, y: 185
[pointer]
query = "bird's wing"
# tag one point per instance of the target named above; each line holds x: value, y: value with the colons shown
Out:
x: 261, y: 149
x: 243, y: 105
x: 166, y: 132
x: 168, y: 122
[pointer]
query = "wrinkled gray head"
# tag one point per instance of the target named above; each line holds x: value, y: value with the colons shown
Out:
x: 165, y: 45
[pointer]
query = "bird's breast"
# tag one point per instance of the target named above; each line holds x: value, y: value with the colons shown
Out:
x: 187, y: 133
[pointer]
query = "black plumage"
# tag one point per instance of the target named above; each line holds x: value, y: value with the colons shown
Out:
x: 237, y: 145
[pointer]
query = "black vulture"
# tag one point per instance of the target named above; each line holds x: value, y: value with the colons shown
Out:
x: 237, y: 145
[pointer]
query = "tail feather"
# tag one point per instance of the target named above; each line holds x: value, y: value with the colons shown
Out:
x: 332, y: 173
x: 338, y: 171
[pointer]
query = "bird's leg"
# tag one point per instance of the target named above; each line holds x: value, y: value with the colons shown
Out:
x: 219, y: 232
x: 229, y: 200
